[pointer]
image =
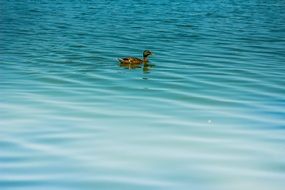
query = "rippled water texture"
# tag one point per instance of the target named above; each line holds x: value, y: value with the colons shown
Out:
x: 208, y: 114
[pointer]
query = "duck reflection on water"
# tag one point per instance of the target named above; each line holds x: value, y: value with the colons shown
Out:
x: 146, y: 67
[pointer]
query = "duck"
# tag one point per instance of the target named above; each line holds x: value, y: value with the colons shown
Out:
x: 134, y: 60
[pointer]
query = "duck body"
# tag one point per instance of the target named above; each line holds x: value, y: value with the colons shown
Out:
x: 134, y: 60
x: 131, y: 60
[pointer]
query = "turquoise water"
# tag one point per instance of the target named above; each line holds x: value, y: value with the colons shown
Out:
x: 208, y: 114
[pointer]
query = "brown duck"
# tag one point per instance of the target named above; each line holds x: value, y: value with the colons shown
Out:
x: 134, y: 60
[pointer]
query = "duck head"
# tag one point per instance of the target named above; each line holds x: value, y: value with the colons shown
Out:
x: 146, y: 53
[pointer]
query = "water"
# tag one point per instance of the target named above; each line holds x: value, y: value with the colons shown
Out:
x: 207, y: 114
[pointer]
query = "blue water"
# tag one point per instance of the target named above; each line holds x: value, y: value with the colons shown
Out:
x: 207, y: 114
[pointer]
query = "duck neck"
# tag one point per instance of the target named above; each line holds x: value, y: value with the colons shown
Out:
x: 145, y: 59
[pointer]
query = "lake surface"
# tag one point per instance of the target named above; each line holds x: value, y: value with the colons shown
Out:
x: 207, y: 114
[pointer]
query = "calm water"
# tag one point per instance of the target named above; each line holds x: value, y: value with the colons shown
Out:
x: 208, y: 114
